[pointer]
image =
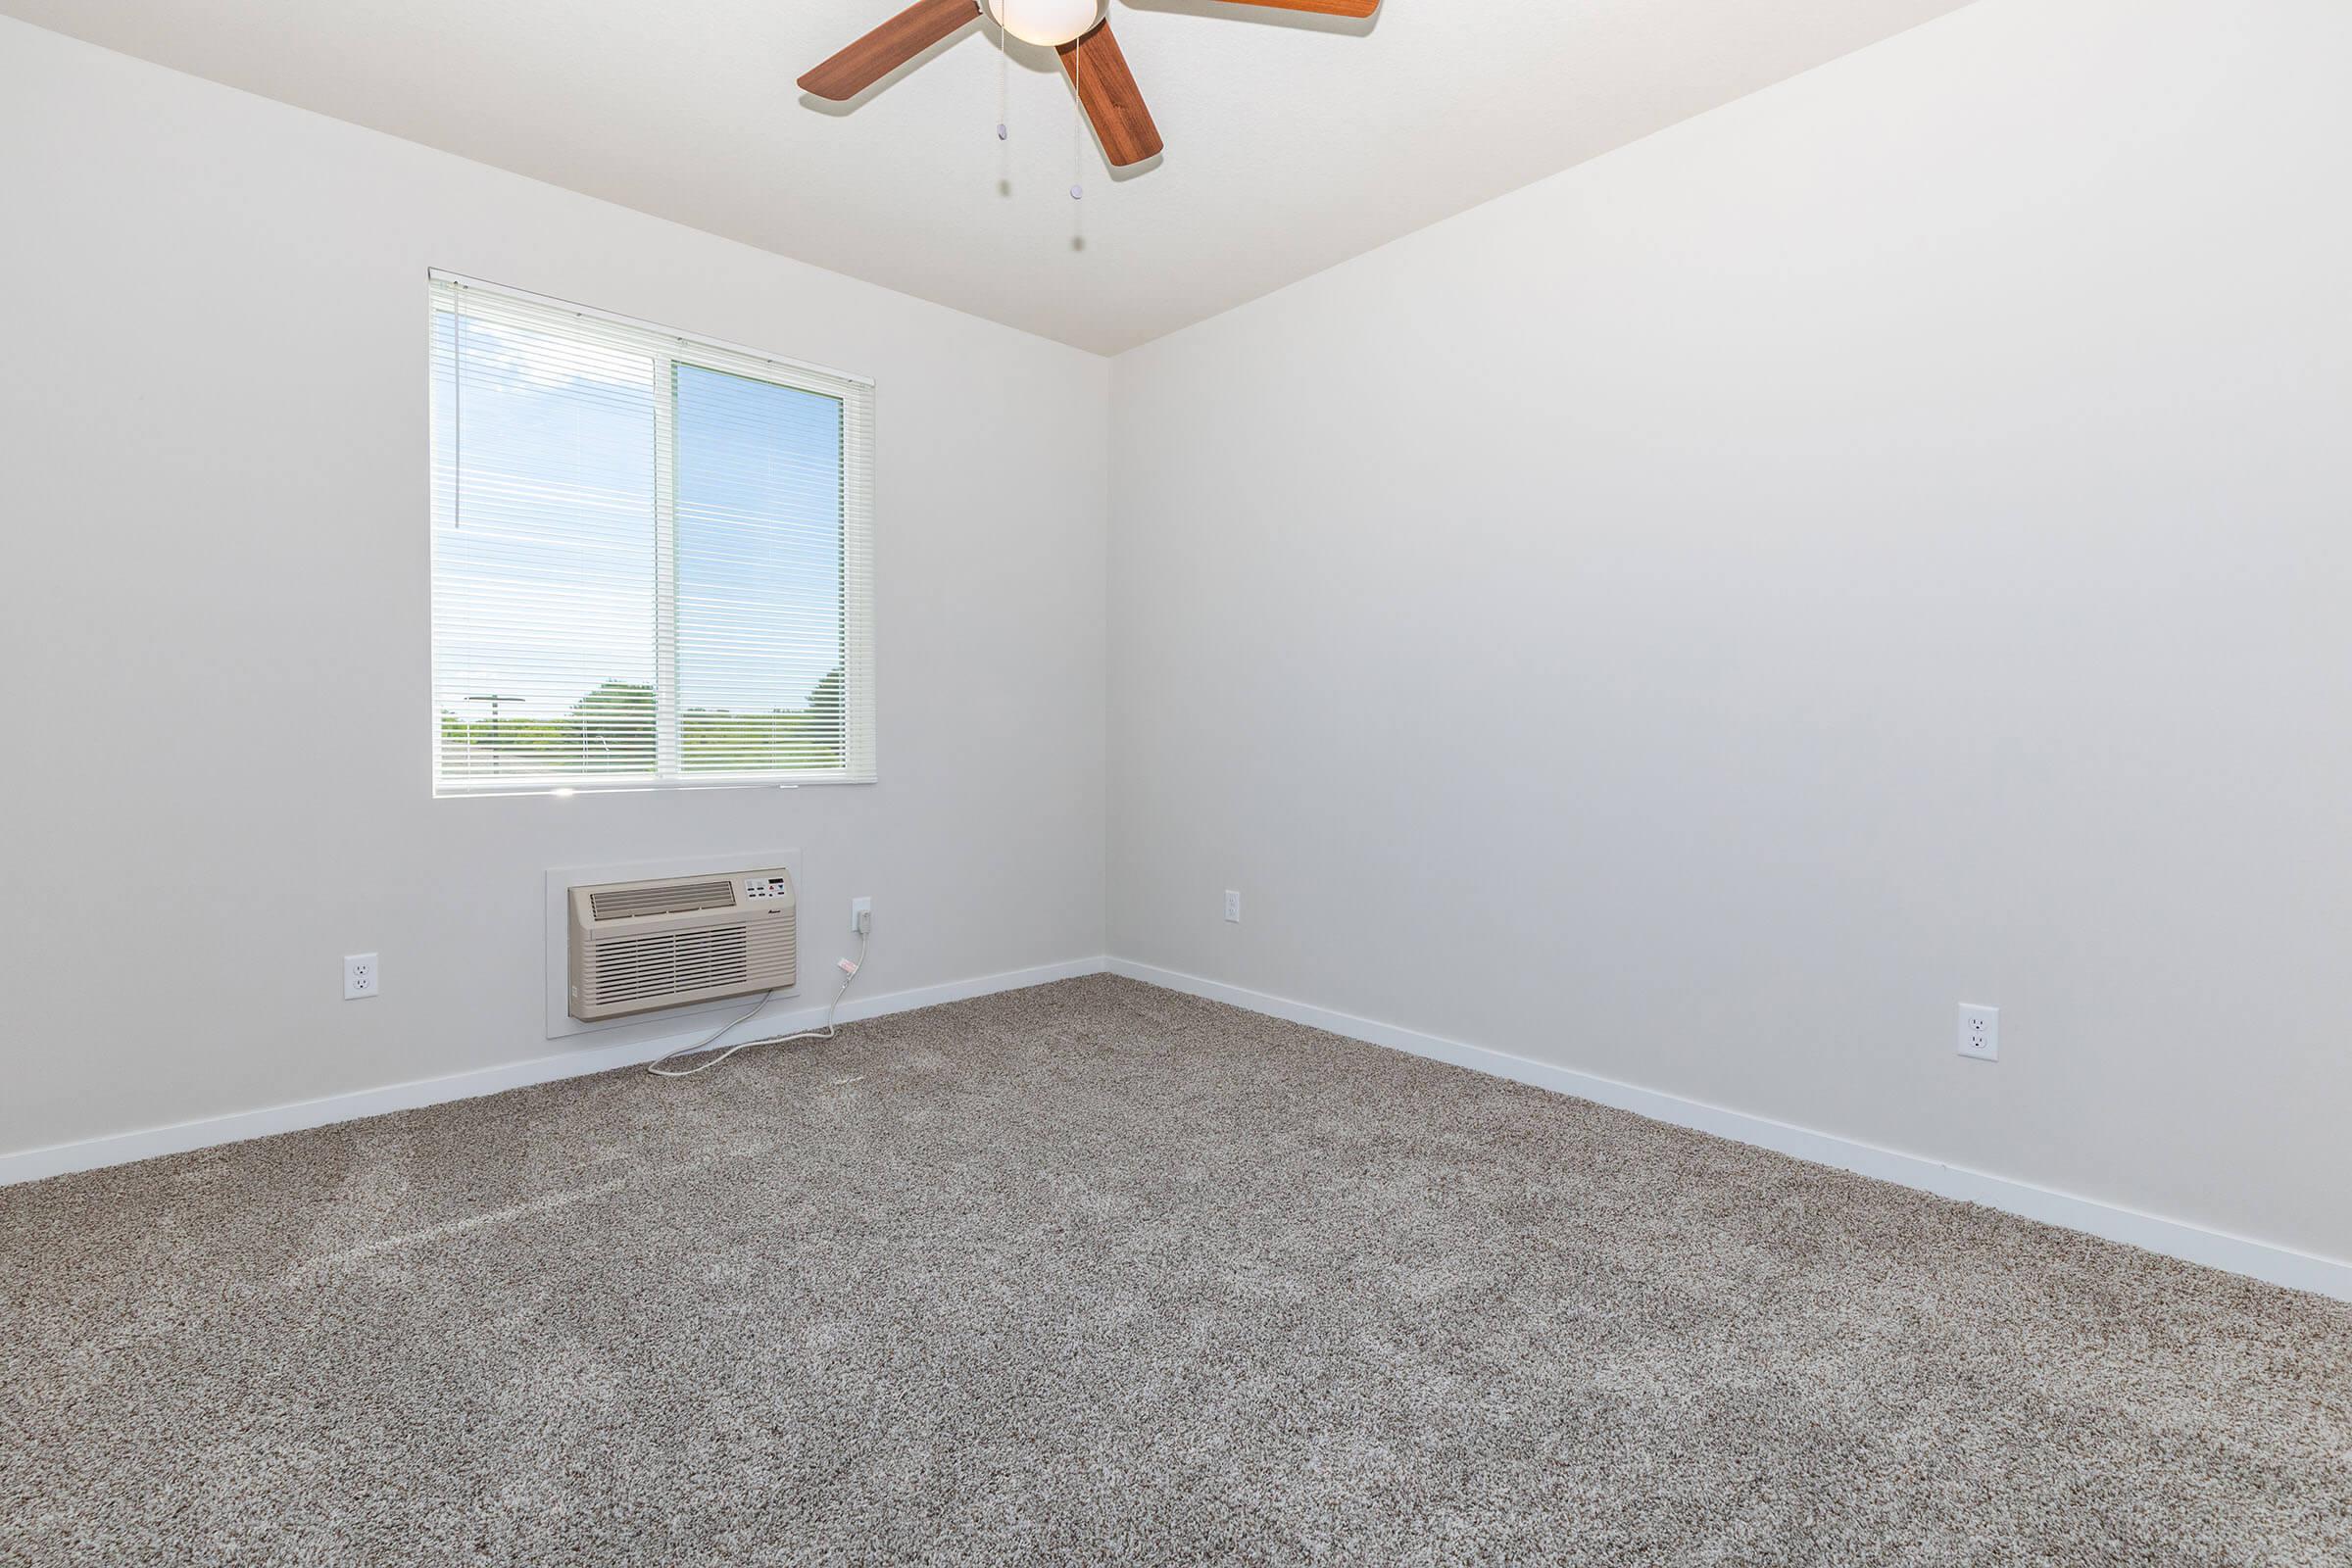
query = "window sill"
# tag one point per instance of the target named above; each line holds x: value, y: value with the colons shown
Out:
x: 495, y: 789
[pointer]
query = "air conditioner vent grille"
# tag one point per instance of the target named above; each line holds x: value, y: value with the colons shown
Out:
x: 665, y: 963
x: 674, y: 898
x: 677, y: 941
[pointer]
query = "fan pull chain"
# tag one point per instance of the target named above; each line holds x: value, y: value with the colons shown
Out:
x: 1001, y: 80
x: 1077, y: 114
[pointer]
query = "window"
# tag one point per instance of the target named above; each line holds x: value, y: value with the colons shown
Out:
x: 651, y: 561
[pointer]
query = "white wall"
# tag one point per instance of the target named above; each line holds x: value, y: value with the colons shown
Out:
x: 213, y: 610
x: 1882, y: 544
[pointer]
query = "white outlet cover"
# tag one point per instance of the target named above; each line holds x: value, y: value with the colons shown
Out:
x: 363, y: 976
x: 1233, y: 907
x: 1979, y: 1032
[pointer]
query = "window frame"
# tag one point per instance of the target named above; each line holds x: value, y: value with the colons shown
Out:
x: 670, y: 348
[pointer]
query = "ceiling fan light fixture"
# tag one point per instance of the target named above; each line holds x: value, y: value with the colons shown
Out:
x: 1048, y: 23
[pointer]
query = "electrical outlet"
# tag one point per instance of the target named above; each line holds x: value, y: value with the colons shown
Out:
x: 1979, y: 1032
x: 1233, y: 907
x: 861, y: 916
x: 361, y: 976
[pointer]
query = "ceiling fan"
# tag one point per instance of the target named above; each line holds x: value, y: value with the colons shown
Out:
x: 1088, y: 53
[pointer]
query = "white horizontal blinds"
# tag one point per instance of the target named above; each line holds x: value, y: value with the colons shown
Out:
x: 543, y: 547
x: 651, y: 559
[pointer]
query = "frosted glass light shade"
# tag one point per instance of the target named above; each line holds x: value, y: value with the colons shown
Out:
x: 1050, y: 23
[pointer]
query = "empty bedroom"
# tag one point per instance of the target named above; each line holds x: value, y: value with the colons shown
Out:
x: 1073, y: 782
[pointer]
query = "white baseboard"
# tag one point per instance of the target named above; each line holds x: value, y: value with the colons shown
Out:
x: 2262, y: 1260
x: 119, y: 1149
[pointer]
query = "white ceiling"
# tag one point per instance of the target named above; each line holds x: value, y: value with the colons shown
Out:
x: 1294, y: 141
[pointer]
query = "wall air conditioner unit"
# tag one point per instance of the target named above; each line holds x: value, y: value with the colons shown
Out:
x: 664, y: 943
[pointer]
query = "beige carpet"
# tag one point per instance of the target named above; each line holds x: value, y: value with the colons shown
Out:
x: 1098, y: 1273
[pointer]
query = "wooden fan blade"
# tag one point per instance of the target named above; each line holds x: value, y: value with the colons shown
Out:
x: 1111, y: 99
x: 888, y: 47
x: 1359, y: 9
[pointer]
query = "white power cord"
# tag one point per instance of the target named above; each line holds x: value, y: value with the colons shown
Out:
x: 661, y: 1067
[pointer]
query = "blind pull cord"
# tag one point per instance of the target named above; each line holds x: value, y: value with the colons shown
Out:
x: 457, y: 412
